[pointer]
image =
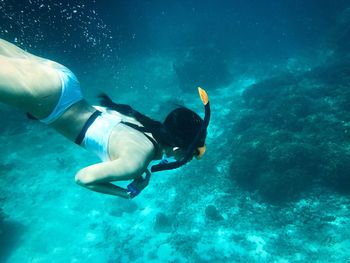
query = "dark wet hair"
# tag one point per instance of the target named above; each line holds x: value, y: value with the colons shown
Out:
x: 183, y: 125
x: 178, y: 129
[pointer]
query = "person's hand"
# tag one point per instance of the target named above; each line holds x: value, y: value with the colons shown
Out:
x: 138, y: 184
x: 141, y: 183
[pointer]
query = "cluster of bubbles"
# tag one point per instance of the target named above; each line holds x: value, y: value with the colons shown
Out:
x: 69, y: 26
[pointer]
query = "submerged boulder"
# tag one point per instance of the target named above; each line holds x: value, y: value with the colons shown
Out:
x: 163, y: 223
x: 212, y: 213
x: 292, y: 133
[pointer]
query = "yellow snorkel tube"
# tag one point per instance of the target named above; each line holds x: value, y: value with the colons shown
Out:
x: 205, y: 99
x: 192, y: 148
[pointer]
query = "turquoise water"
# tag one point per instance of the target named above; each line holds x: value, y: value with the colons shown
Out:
x: 274, y: 185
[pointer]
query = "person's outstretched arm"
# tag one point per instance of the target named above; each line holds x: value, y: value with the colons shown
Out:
x: 98, y: 177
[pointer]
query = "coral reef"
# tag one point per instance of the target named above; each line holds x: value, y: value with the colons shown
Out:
x: 293, y: 132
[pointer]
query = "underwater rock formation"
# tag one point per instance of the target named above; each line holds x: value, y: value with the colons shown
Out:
x: 212, y: 213
x: 163, y: 223
x: 293, y: 132
x: 10, y: 234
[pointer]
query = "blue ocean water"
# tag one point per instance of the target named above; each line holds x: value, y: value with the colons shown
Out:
x: 274, y: 185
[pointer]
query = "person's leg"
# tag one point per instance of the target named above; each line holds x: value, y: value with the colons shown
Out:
x: 8, y: 49
x: 28, y: 84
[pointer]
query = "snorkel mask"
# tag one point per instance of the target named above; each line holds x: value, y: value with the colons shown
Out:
x: 192, y: 149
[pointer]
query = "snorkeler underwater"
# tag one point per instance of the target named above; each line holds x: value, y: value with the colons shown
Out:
x: 174, y: 131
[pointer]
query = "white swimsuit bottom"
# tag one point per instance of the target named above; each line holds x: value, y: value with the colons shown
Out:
x: 70, y: 93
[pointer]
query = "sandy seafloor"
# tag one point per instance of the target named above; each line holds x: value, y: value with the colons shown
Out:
x: 194, y: 214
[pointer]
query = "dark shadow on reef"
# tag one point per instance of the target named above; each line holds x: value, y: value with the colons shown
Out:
x: 9, y: 236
